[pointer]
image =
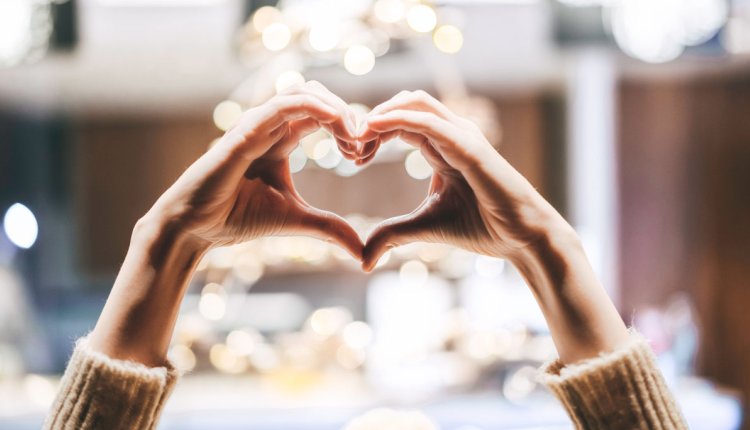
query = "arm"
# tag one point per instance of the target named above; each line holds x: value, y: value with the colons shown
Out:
x: 479, y: 202
x: 241, y: 189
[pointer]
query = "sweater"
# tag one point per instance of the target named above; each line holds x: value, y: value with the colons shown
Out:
x: 622, y: 389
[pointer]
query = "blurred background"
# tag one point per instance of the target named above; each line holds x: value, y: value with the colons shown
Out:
x: 631, y: 117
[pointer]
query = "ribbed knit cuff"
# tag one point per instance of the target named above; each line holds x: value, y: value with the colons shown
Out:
x: 99, y: 392
x: 623, y: 389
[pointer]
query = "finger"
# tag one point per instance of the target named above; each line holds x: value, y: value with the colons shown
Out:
x: 461, y: 149
x: 368, y: 148
x: 373, y: 145
x: 330, y: 227
x: 289, y: 135
x: 349, y: 119
x: 395, y: 232
x: 363, y: 161
x: 414, y: 100
x: 344, y: 126
x: 285, y: 108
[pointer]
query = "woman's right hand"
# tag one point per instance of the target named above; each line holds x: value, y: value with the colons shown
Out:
x: 242, y: 187
x: 239, y: 190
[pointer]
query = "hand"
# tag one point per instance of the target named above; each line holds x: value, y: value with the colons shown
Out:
x: 242, y: 188
x: 479, y: 202
x: 476, y: 200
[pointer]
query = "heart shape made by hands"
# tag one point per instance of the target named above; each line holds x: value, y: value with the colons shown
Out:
x: 448, y: 214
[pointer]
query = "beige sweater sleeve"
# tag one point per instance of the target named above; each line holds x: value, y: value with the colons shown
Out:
x: 98, y: 392
x: 622, y: 390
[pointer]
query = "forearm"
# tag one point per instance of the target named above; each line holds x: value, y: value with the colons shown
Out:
x: 138, y: 319
x: 583, y: 320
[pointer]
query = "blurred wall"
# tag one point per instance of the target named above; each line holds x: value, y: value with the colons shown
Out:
x: 685, y: 179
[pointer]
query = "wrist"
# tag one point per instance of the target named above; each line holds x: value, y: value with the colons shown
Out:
x: 163, y: 239
x: 139, y: 316
x: 582, y: 319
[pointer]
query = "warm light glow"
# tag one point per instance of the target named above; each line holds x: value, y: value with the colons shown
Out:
x: 347, y: 168
x: 265, y: 16
x: 322, y: 148
x: 331, y: 159
x: 389, y: 11
x: 350, y: 358
x: 324, y: 36
x: 248, y: 268
x: 329, y: 321
x: 226, y: 114
x: 297, y: 160
x: 40, y: 390
x: 289, y: 79
x: 413, y: 273
x: 212, y: 306
x: 225, y: 360
x: 243, y: 341
x: 421, y: 18
x: 359, y: 60
x: 21, y: 226
x: 276, y: 36
x: 15, y: 30
x: 416, y: 165
x: 448, y: 39
x: 357, y: 334
x: 182, y: 357
x: 520, y: 384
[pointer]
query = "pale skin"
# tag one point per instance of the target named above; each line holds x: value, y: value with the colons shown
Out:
x: 241, y: 189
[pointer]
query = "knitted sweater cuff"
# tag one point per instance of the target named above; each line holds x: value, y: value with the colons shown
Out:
x: 99, y: 392
x: 623, y: 389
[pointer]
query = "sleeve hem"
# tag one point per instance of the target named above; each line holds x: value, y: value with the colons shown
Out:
x: 98, y: 391
x: 622, y: 389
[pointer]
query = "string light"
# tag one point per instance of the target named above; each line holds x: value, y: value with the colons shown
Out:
x: 182, y: 357
x: 448, y: 38
x: 421, y: 18
x: 389, y: 11
x: 276, y: 36
x: 359, y: 60
x: 324, y: 36
x: 226, y: 114
x: 416, y: 165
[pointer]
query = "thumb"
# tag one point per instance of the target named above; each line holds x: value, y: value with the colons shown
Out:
x: 330, y: 227
x: 394, y: 232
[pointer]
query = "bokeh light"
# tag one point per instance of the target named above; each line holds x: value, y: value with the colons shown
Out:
x: 389, y: 11
x: 448, y: 39
x: 21, y: 226
x: 359, y: 60
x: 417, y: 166
x: 421, y: 18
x: 226, y: 114
x: 324, y: 36
x: 276, y: 36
